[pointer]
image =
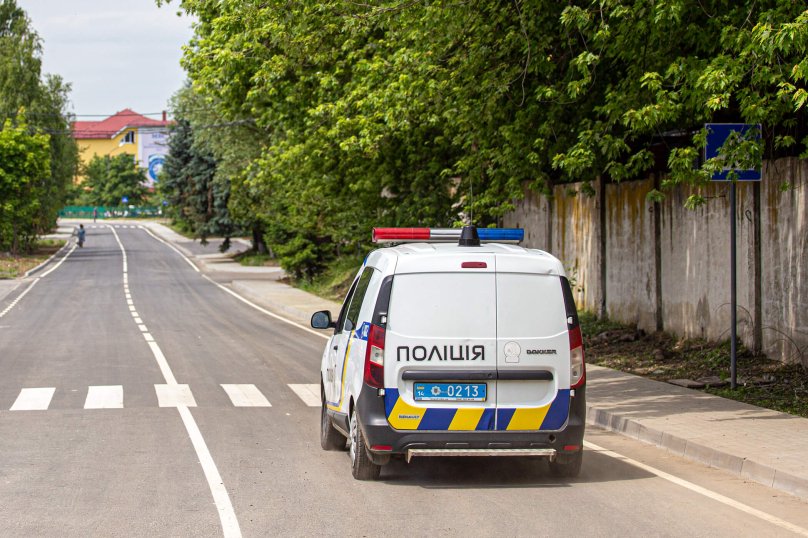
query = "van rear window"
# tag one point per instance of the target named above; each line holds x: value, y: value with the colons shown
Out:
x: 443, y: 305
x: 530, y: 305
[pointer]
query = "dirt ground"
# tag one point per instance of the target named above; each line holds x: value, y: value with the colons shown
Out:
x: 17, y: 266
x: 762, y: 382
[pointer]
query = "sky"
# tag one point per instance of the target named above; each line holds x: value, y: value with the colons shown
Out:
x: 116, y: 54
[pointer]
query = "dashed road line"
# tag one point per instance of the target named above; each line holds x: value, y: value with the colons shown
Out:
x: 181, y: 396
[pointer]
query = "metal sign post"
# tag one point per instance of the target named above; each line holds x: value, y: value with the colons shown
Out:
x: 733, y: 286
x: 717, y: 135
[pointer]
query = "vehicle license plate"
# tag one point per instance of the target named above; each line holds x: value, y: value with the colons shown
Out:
x: 450, y: 392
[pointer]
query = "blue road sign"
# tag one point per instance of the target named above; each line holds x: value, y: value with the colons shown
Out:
x: 717, y: 134
x: 124, y: 199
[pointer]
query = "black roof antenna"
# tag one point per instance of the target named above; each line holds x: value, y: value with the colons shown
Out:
x: 469, y: 237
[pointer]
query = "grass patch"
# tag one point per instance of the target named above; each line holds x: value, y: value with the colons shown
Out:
x: 251, y: 259
x: 333, y: 283
x: 17, y: 266
x: 179, y: 227
x: 761, y: 381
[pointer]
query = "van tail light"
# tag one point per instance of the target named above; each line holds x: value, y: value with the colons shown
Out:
x: 374, y: 358
x: 577, y: 365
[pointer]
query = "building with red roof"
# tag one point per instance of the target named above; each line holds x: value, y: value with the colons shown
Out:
x: 128, y: 132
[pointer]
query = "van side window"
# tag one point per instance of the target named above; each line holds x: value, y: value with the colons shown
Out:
x: 358, y: 297
x: 344, y: 310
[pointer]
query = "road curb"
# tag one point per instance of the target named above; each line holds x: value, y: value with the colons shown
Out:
x: 29, y: 272
x: 296, y: 314
x: 694, y: 451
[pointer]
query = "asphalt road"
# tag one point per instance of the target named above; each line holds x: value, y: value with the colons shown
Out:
x: 167, y: 407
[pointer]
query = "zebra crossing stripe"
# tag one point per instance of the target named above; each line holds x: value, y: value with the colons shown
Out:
x: 111, y: 396
x: 104, y: 397
x: 174, y: 395
x: 246, y: 396
x: 309, y: 393
x: 38, y: 399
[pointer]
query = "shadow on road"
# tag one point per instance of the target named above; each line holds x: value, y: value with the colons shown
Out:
x: 506, y: 472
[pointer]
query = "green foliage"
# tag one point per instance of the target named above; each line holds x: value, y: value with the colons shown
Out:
x: 27, y: 97
x: 24, y: 161
x: 109, y: 179
x: 188, y: 182
x: 329, y: 118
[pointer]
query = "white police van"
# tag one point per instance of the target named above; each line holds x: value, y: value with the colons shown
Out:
x: 462, y: 349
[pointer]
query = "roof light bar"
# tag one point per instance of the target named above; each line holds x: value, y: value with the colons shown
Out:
x: 445, y: 235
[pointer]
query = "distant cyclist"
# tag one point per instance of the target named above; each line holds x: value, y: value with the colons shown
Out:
x: 81, y: 233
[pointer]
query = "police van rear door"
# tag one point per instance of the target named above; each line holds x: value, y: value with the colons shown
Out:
x: 440, y: 351
x: 533, y: 353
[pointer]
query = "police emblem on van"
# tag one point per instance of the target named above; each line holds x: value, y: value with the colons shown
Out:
x: 440, y: 353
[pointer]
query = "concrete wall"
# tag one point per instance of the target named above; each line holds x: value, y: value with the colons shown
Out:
x: 661, y: 265
x: 630, y: 266
x: 784, y: 257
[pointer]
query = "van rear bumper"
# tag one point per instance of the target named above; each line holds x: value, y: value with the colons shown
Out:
x: 377, y: 432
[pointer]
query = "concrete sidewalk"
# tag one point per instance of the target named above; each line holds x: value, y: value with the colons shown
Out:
x: 754, y: 443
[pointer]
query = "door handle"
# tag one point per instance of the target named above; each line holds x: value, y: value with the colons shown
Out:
x: 335, y: 348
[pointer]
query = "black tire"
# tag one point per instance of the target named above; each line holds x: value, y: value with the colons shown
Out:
x: 362, y: 467
x: 330, y: 438
x: 568, y: 467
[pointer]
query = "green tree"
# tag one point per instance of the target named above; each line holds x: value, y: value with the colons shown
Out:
x: 44, y: 100
x: 428, y: 113
x: 109, y: 179
x: 188, y: 183
x: 24, y: 161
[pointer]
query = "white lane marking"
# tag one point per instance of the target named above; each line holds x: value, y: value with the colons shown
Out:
x: 104, y: 397
x: 17, y: 300
x: 161, y: 360
x: 38, y: 399
x: 246, y: 396
x: 702, y: 491
x: 133, y: 310
x: 60, y: 262
x: 309, y: 393
x: 174, y: 396
x: 37, y: 279
x: 142, y: 328
x: 130, y: 302
x: 236, y: 295
x: 175, y: 249
x: 227, y: 516
x: 263, y: 310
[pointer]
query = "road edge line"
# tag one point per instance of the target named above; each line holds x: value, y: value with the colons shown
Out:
x: 723, y: 499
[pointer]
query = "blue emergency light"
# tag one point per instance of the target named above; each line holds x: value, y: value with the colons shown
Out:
x: 445, y: 235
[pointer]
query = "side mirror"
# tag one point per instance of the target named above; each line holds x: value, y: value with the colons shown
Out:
x: 322, y: 320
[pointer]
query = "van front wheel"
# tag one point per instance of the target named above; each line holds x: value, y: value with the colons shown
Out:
x: 362, y: 467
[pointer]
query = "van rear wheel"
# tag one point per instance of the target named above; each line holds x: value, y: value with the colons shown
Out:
x: 330, y: 438
x: 362, y: 467
x: 568, y: 467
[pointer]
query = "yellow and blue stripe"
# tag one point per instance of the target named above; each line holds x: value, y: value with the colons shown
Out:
x: 404, y: 416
